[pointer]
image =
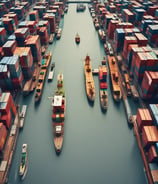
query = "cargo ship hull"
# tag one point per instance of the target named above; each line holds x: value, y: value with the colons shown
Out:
x: 89, y: 81
x: 116, y: 90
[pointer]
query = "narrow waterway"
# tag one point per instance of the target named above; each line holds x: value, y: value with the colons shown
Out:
x: 99, y: 148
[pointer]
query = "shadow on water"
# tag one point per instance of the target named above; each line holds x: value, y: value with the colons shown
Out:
x: 91, y: 103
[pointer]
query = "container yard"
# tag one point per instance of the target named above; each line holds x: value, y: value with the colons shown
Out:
x: 125, y: 34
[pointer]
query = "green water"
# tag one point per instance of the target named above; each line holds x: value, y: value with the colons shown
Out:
x: 99, y: 148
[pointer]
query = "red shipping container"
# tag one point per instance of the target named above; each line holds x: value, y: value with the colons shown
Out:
x: 3, y: 135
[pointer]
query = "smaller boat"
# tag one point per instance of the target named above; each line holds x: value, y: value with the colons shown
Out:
x: 59, y: 33
x: 77, y: 38
x: 22, y: 115
x: 51, y: 38
x: 103, y: 87
x: 103, y: 61
x: 51, y: 73
x: 24, y: 160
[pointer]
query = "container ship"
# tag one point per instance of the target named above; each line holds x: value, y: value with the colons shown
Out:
x: 58, y: 115
x: 24, y: 160
x: 89, y: 81
x: 117, y: 95
x: 103, y: 87
x: 42, y: 76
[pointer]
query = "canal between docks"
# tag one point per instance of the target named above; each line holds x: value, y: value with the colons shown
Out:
x: 99, y: 148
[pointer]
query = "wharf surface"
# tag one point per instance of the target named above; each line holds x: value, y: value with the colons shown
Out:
x: 9, y: 151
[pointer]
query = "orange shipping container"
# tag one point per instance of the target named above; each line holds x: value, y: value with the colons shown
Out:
x: 3, y: 135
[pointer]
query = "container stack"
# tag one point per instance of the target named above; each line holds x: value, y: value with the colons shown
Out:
x: 32, y: 27
x: 128, y: 40
x: 141, y: 39
x: 21, y: 34
x: 154, y: 113
x: 3, y: 9
x: 143, y: 118
x: 16, y: 76
x: 55, y: 10
x: 9, y: 47
x: 43, y: 34
x: 119, y: 39
x: 7, y: 109
x: 44, y: 23
x: 34, y: 43
x: 26, y: 61
x: 3, y: 36
x: 111, y: 28
x: 145, y: 24
x: 20, y: 11
x: 22, y: 24
x: 12, y: 16
x: 152, y: 33
x: 9, y: 25
x: 51, y: 20
x: 34, y: 16
x: 149, y: 86
x: 41, y: 10
x: 128, y: 16
x: 139, y: 13
x: 152, y: 10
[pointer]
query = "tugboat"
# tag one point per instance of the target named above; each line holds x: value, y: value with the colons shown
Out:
x: 103, y: 87
x: 77, y: 38
x: 58, y: 115
x: 89, y: 81
x: 117, y: 94
x: 23, y: 163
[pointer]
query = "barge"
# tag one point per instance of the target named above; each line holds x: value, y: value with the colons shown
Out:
x: 22, y: 115
x: 58, y: 114
x: 89, y: 81
x: 51, y: 73
x: 116, y: 90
